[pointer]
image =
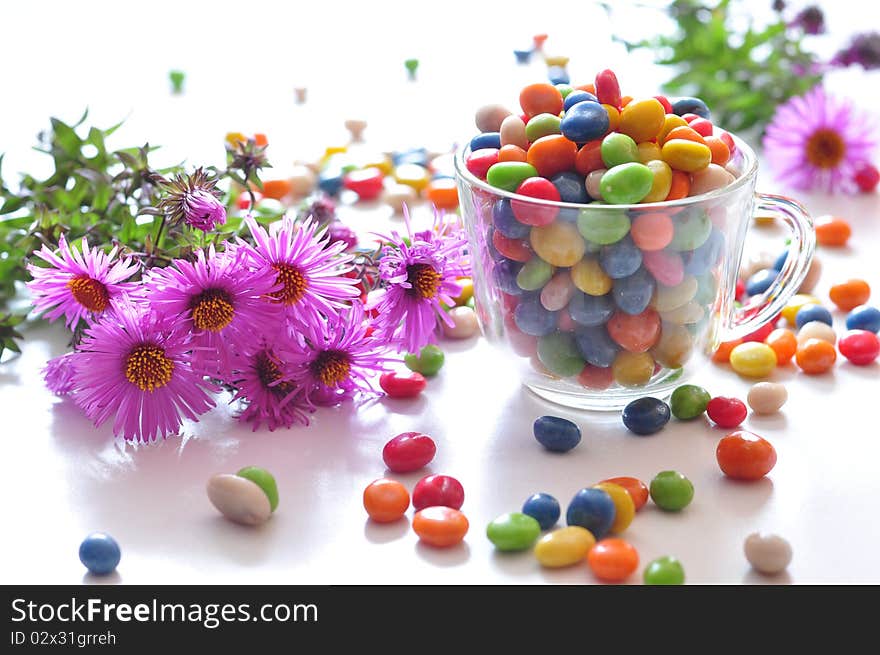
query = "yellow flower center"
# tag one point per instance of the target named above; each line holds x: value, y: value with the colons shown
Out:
x: 89, y: 293
x: 424, y: 279
x: 268, y: 372
x: 148, y: 368
x: 331, y: 367
x: 825, y: 148
x: 295, y: 284
x: 212, y: 310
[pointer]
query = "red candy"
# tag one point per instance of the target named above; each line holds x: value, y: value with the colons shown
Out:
x: 637, y: 489
x: 480, y: 161
x: 408, y: 451
x: 402, y: 385
x: 867, y: 177
x: 636, y: 333
x: 701, y: 126
x: 663, y: 100
x: 532, y: 214
x: 515, y: 249
x: 859, y: 346
x: 743, y: 455
x: 589, y: 157
x: 434, y: 490
x: 607, y: 88
x: 725, y: 136
x: 690, y: 118
x: 368, y: 182
x: 727, y: 412
x: 595, y: 377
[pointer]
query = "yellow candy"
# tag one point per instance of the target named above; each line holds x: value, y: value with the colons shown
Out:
x: 668, y: 298
x: 753, y: 359
x: 557, y: 60
x: 674, y: 347
x: 642, y: 119
x: 330, y: 152
x: 564, y: 547
x: 467, y: 290
x: 687, y: 156
x: 794, y: 305
x: 670, y: 122
x: 412, y: 175
x: 632, y: 369
x: 559, y: 243
x: 625, y: 508
x: 613, y: 117
x: 662, y: 181
x: 382, y: 162
x: 235, y: 137
x: 589, y: 277
x: 648, y: 151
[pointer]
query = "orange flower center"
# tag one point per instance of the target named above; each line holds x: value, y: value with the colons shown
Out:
x: 89, y: 293
x: 212, y: 310
x: 268, y: 372
x: 148, y: 368
x: 424, y: 279
x: 295, y: 284
x: 825, y: 148
x: 331, y: 367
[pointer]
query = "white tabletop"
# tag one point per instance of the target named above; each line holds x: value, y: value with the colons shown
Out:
x: 63, y: 478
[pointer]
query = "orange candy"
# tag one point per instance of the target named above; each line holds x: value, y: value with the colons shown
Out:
x: 784, y: 344
x: 637, y: 489
x: 850, y: 294
x: 511, y: 152
x: 832, y: 231
x: 613, y: 560
x: 816, y: 356
x: 540, y: 98
x: 442, y: 193
x: 386, y: 500
x: 652, y: 231
x: 589, y: 157
x: 260, y: 139
x: 589, y: 88
x: 552, y: 155
x: 440, y: 526
x: 720, y: 151
x: 722, y: 353
x: 686, y: 133
x: 276, y: 189
x: 681, y: 185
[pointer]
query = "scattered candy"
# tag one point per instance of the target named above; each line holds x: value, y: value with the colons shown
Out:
x: 613, y: 560
x: 784, y: 344
x: 646, y: 415
x: 592, y: 509
x: 624, y: 507
x: 386, y: 500
x: 665, y: 570
x: 356, y: 129
x: 810, y: 313
x: 513, y: 531
x: 816, y: 330
x: 176, y: 78
x: 860, y: 347
x: 753, y: 359
x: 239, y: 499
x: 768, y: 554
x: 743, y: 455
x: 428, y: 362
x: 544, y: 508
x: 726, y: 412
x: 850, y: 294
x: 815, y: 356
x: 411, y: 65
x: 434, y: 490
x: 556, y: 434
x: 767, y: 397
x: 464, y: 323
x: 263, y: 479
x: 399, y: 385
x: 689, y: 401
x: 409, y: 451
x: 864, y: 317
x: 637, y: 489
x: 99, y: 553
x: 440, y: 527
x: 832, y: 231
x: 671, y: 491
x: 564, y: 547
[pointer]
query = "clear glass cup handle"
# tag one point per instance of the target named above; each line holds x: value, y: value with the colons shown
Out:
x: 800, y: 255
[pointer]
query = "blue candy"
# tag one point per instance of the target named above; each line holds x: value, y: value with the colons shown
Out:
x: 646, y: 415
x: 506, y: 223
x: 522, y: 56
x: 699, y: 261
x: 596, y: 346
x: 696, y: 106
x: 577, y: 96
x: 864, y: 317
x: 558, y: 75
x: 584, y: 121
x: 504, y: 273
x: 592, y: 509
x: 620, y: 259
x: 590, y: 310
x: 330, y: 181
x: 544, y: 508
x: 557, y: 434
x: 99, y: 553
x: 486, y: 140
x: 633, y: 294
x: 780, y: 261
x: 571, y: 187
x: 412, y: 156
x: 761, y: 281
x: 533, y: 318
x: 809, y: 313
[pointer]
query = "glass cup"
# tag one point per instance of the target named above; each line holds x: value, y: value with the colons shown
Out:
x: 601, y: 304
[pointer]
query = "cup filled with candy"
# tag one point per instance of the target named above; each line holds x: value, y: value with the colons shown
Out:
x: 606, y: 234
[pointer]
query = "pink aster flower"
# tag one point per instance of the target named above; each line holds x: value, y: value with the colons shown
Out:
x: 337, y: 358
x: 78, y: 285
x: 203, y: 211
x: 193, y: 199
x: 262, y: 377
x: 417, y: 277
x: 817, y: 141
x: 221, y: 301
x: 308, y: 269
x: 58, y: 374
x: 135, y: 366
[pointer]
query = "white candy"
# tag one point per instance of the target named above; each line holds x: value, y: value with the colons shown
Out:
x: 465, y: 323
x: 767, y: 397
x: 239, y: 499
x: 816, y: 330
x: 769, y: 554
x: 489, y: 117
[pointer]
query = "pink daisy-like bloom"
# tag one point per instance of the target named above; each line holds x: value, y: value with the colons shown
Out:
x: 78, y: 285
x: 136, y: 367
x: 417, y: 277
x: 58, y: 374
x: 816, y: 141
x: 337, y: 358
x: 221, y: 301
x: 308, y: 269
x: 203, y: 211
x: 262, y: 377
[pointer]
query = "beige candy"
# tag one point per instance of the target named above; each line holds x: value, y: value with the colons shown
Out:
x: 708, y: 179
x: 767, y: 397
x: 239, y: 499
x: 513, y: 132
x: 299, y: 93
x: 465, y: 324
x: 668, y: 298
x: 816, y: 330
x: 356, y: 127
x: 767, y: 554
x: 690, y: 312
x: 302, y: 181
x: 592, y: 183
x: 397, y: 195
x: 812, y: 277
x: 490, y: 117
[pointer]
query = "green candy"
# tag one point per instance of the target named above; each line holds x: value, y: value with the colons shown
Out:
x: 672, y: 491
x: 689, y: 401
x: 508, y: 175
x: 564, y: 89
x: 428, y: 362
x: 560, y: 354
x: 176, y: 78
x: 602, y: 226
x: 534, y: 274
x: 626, y: 184
x: 513, y: 531
x: 542, y: 125
x: 706, y: 290
x: 472, y: 302
x: 411, y: 65
x: 618, y: 149
x: 664, y: 571
x: 692, y: 228
x: 264, y: 480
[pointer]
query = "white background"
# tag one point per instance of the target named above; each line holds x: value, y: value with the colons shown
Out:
x: 63, y: 478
